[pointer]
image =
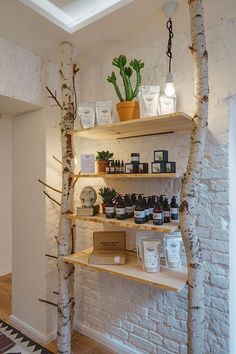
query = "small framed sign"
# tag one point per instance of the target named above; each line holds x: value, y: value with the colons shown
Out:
x: 129, y: 168
x: 87, y: 163
x: 143, y: 167
x: 170, y: 167
x: 160, y: 155
x: 158, y: 167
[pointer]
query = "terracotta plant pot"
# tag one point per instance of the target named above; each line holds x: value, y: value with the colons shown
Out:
x: 101, y: 166
x: 104, y: 208
x: 128, y: 110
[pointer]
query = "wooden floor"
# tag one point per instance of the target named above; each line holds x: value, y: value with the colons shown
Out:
x: 80, y: 343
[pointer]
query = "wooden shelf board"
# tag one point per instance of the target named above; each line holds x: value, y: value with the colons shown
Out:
x: 128, y: 176
x: 128, y: 223
x: 167, y: 123
x: 172, y: 279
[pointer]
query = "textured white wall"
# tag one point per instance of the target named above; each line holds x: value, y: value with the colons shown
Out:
x: 29, y: 164
x: 20, y: 73
x: 6, y: 194
x: 232, y: 247
x: 142, y: 318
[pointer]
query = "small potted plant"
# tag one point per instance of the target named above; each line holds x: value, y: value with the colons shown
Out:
x: 127, y: 108
x: 107, y: 194
x: 102, y: 158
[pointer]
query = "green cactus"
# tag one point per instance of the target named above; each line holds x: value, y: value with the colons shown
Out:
x: 137, y: 65
x: 126, y: 73
x: 112, y: 79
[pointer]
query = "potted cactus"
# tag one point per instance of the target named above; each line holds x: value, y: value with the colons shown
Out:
x: 103, y: 158
x: 127, y: 108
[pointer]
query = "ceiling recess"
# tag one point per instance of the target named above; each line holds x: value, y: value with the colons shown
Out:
x: 72, y: 15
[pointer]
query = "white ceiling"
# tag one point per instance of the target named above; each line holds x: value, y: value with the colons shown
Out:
x: 134, y: 25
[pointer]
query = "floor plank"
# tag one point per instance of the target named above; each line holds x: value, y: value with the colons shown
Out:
x: 80, y: 344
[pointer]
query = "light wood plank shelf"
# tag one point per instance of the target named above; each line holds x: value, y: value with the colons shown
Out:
x: 172, y: 279
x: 167, y: 123
x: 128, y: 175
x: 128, y: 223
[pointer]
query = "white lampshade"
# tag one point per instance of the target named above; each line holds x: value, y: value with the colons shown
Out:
x: 170, y: 89
x: 169, y: 7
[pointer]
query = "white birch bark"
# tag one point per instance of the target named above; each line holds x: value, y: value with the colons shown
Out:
x: 189, y: 194
x: 65, y: 270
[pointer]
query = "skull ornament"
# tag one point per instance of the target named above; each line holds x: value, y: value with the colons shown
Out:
x: 88, y: 197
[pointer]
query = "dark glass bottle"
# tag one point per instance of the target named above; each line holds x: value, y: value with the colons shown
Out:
x: 122, y: 167
x: 166, y: 210
x: 128, y: 206
x: 110, y: 209
x: 112, y: 167
x: 134, y: 199
x: 174, y: 209
x: 161, y: 199
x: 120, y: 208
x: 151, y: 204
x: 146, y: 208
x: 107, y: 167
x: 118, y: 167
x: 158, y: 214
x: 139, y: 213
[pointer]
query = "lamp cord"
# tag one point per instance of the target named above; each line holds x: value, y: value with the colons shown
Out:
x: 169, y: 43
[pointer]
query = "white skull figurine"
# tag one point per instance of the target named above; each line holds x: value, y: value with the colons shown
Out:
x: 88, y: 197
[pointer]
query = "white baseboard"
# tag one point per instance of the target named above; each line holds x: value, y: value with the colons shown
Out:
x: 81, y: 328
x: 31, y: 332
x: 5, y: 272
x: 103, y: 339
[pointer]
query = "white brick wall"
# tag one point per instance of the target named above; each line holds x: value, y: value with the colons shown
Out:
x: 145, y: 319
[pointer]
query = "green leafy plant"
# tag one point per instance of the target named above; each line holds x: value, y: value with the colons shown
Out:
x: 107, y: 194
x: 126, y: 73
x: 104, y: 155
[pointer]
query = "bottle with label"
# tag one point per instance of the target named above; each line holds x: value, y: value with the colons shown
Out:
x: 134, y: 200
x: 139, y: 213
x: 122, y: 167
x: 151, y: 204
x: 146, y: 208
x: 115, y: 166
x: 112, y: 167
x: 140, y: 197
x: 110, y: 209
x: 158, y: 214
x: 107, y: 167
x: 161, y: 199
x: 135, y: 157
x: 174, y: 209
x: 118, y: 166
x: 166, y: 210
x: 128, y: 206
x: 120, y: 208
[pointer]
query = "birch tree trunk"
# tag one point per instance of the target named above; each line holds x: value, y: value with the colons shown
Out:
x: 189, y: 194
x: 65, y: 270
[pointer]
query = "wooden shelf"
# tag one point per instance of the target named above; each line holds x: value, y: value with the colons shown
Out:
x: 167, y: 123
x: 128, y: 176
x: 128, y: 223
x: 172, y: 279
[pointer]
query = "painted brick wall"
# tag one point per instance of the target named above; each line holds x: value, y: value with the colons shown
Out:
x: 142, y: 318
